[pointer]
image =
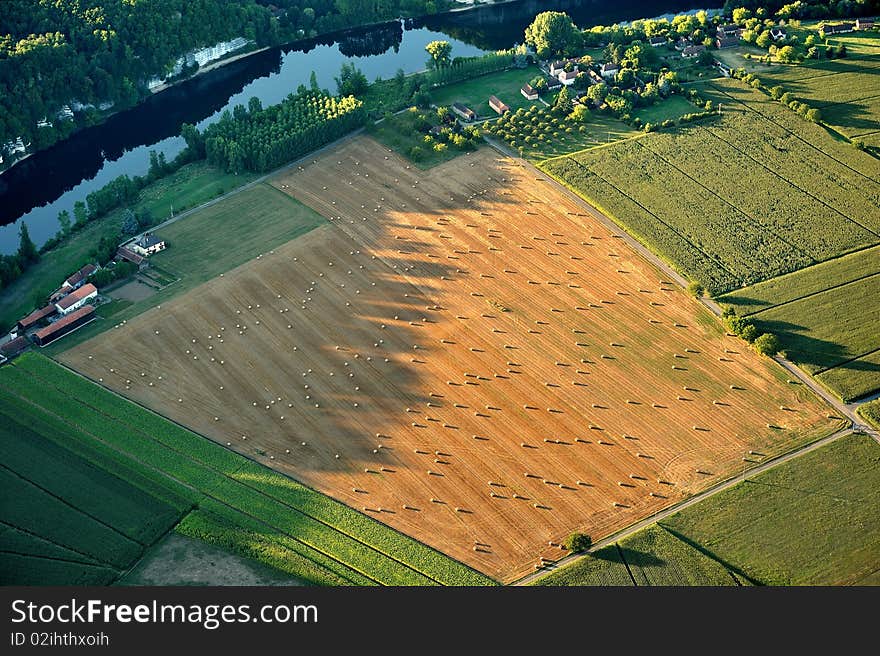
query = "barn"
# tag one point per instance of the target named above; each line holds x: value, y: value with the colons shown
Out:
x: 497, y: 105
x: 64, y: 325
x: 464, y: 112
x: 35, y: 317
x: 529, y: 92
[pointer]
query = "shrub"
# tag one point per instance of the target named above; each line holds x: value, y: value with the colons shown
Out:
x: 578, y: 542
x: 696, y: 289
x: 767, y: 344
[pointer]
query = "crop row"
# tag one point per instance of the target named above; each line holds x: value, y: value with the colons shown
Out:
x: 102, y: 495
x: 392, y: 557
x: 855, y: 379
x: 653, y: 230
x: 656, y: 557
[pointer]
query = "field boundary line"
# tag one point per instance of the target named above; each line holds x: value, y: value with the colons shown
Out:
x: 60, y: 560
x: 754, y: 220
x: 128, y: 455
x: 94, y: 561
x: 847, y: 102
x: 840, y: 364
x: 789, y: 182
x: 791, y: 132
x: 262, y: 493
x: 811, y: 294
x: 655, y: 518
x: 95, y: 519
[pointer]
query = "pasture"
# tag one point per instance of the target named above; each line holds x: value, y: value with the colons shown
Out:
x: 474, y: 93
x: 465, y: 354
x: 735, y: 211
x: 827, y: 317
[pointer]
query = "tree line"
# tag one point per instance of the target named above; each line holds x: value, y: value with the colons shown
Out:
x: 93, y: 52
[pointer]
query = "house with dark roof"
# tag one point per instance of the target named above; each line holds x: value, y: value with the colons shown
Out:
x: 529, y: 92
x: 657, y: 41
x: 14, y: 346
x: 76, y: 299
x: 609, y: 69
x: 64, y: 325
x: 864, y: 23
x: 726, y: 42
x: 838, y: 28
x: 693, y: 51
x: 76, y: 280
x: 497, y: 105
x: 463, y: 112
x: 147, y: 244
x: 729, y: 30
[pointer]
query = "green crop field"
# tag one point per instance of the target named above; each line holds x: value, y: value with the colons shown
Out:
x: 826, y: 316
x: 735, y: 210
x: 811, y: 521
x: 652, y: 556
x: 66, y: 521
x: 475, y: 93
x: 212, y: 241
x: 871, y: 412
x: 243, y: 505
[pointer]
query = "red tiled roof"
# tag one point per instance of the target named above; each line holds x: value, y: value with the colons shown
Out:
x: 14, y: 346
x: 81, y: 275
x: 76, y: 295
x: 50, y: 330
x: 35, y: 316
x: 131, y: 256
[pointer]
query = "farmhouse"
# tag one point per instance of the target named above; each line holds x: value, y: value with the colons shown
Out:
x: 147, y: 245
x: 567, y: 77
x: 36, y: 317
x: 76, y: 299
x: 609, y: 69
x: 464, y: 112
x: 724, y: 42
x: 529, y: 92
x: 839, y: 28
x: 497, y: 105
x: 64, y: 325
x: 864, y: 23
x: 553, y: 84
x: 693, y: 51
x: 79, y: 278
x: 556, y: 67
x: 657, y: 41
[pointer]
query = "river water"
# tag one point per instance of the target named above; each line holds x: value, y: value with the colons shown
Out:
x: 38, y: 188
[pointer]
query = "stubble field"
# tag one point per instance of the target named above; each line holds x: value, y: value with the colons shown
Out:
x: 465, y: 354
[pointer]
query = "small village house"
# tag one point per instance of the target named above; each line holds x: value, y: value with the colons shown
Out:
x: 729, y: 30
x: 777, y: 33
x: 78, y: 279
x: 499, y: 107
x: 864, y: 23
x: 693, y: 51
x: 529, y: 92
x: 147, y: 244
x: 567, y: 78
x: 124, y: 253
x: 76, y: 299
x: 463, y: 112
x: 724, y: 42
x: 609, y: 70
x: 657, y: 41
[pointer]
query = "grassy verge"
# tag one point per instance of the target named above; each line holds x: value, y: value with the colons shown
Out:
x: 328, y: 542
x: 192, y: 185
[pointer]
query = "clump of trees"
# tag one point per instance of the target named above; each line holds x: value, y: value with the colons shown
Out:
x: 744, y: 328
x: 578, y: 542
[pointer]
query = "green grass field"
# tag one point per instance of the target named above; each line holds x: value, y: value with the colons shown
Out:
x: 475, y: 93
x: 826, y: 316
x: 811, y: 521
x: 671, y: 108
x: 735, y: 210
x: 871, y: 412
x: 212, y: 241
x: 242, y: 505
x: 66, y: 521
x: 192, y: 185
x: 652, y: 556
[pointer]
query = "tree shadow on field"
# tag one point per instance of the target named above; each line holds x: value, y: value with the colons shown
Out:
x: 855, y: 116
x: 803, y: 349
x: 738, y: 300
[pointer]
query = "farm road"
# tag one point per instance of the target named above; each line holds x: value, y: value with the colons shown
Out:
x: 702, y: 496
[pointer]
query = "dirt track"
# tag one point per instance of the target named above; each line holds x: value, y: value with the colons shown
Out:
x: 482, y: 366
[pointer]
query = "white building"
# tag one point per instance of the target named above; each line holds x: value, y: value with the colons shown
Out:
x: 76, y: 299
x: 147, y: 245
x: 218, y: 50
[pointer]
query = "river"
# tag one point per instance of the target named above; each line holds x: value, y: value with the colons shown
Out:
x: 38, y: 188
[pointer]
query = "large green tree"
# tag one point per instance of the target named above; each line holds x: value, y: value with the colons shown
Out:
x: 552, y: 33
x: 441, y: 53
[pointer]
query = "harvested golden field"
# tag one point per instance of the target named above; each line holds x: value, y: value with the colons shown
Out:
x: 463, y: 353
